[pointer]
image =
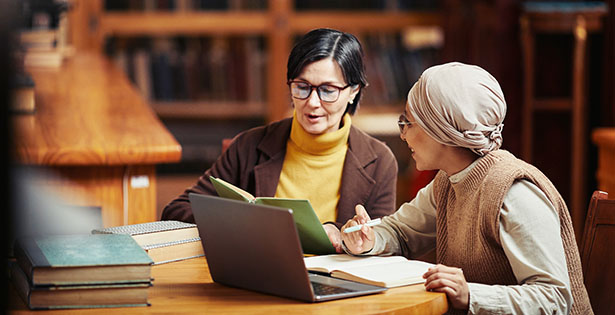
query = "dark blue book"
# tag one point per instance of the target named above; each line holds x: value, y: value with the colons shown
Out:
x: 82, y: 259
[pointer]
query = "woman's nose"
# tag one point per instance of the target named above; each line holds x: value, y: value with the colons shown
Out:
x: 314, y: 100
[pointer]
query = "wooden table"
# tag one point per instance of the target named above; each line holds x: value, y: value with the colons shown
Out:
x: 99, y: 138
x: 186, y: 287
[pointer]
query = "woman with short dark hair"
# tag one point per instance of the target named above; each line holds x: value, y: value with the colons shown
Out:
x: 317, y: 154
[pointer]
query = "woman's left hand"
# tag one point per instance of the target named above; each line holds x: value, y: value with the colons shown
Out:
x: 334, y: 236
x: 451, y: 281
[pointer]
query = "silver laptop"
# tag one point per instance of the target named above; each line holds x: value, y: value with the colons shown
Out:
x: 256, y: 247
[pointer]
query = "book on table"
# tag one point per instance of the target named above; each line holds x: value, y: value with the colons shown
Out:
x: 314, y: 239
x: 164, y: 241
x: 78, y: 296
x: 384, y: 271
x: 23, y: 94
x: 82, y: 259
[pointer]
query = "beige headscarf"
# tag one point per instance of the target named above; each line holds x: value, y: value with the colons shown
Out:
x: 459, y: 105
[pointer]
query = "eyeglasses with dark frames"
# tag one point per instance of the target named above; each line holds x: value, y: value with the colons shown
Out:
x: 326, y: 92
x: 403, y: 122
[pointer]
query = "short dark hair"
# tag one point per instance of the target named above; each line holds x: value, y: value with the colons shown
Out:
x: 323, y: 43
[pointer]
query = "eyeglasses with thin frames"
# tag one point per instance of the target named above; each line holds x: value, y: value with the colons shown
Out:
x: 402, y: 122
x: 326, y: 92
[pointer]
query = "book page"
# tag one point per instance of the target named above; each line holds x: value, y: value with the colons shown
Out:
x: 389, y: 275
x: 230, y: 191
x: 328, y: 263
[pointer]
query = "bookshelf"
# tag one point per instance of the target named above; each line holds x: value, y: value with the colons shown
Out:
x: 573, y: 21
x: 278, y: 23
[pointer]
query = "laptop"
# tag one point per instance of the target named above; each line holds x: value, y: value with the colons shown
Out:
x: 256, y: 247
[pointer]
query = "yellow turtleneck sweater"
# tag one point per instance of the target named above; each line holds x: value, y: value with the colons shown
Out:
x: 313, y: 166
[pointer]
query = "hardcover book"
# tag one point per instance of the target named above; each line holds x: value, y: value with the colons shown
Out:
x: 78, y: 296
x: 175, y: 251
x: 157, y: 232
x: 82, y: 259
x: 314, y: 239
x: 164, y: 241
x: 384, y: 271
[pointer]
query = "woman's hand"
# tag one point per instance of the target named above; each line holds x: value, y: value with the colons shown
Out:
x: 362, y: 240
x: 451, y: 281
x: 334, y: 236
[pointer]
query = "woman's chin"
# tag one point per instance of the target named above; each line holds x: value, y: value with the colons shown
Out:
x: 315, y: 129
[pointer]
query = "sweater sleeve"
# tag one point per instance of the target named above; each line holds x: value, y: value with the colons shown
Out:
x: 530, y: 236
x: 411, y: 231
x: 179, y: 208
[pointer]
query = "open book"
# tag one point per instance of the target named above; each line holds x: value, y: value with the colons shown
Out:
x: 384, y: 271
x: 314, y: 239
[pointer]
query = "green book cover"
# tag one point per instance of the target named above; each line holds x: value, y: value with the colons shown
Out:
x: 74, y: 259
x: 314, y: 239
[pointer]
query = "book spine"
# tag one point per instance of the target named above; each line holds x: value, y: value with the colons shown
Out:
x: 24, y: 261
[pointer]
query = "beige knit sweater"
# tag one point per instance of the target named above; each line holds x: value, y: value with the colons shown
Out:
x: 468, y: 223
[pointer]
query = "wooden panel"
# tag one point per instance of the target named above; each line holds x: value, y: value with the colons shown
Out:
x: 108, y: 187
x: 170, y: 23
x: 361, y: 21
x: 565, y: 22
x: 88, y: 186
x: 279, y: 42
x: 140, y: 194
x: 88, y: 113
x: 219, y: 110
x: 558, y: 104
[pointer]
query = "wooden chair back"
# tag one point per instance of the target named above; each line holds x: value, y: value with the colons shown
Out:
x: 598, y: 253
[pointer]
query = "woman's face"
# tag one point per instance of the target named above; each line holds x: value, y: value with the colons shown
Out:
x: 426, y: 152
x: 313, y: 114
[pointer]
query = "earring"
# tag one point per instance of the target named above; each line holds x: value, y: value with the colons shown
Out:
x: 351, y: 101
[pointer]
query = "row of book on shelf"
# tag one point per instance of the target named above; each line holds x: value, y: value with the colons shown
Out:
x: 193, y: 69
x: 233, y: 69
x: 109, y: 268
x: 187, y: 5
x: 183, y: 5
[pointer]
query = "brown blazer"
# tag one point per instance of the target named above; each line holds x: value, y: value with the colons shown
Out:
x: 253, y: 162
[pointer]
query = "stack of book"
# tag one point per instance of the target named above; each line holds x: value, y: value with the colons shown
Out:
x: 164, y: 241
x: 41, y: 48
x: 81, y: 271
x: 23, y: 94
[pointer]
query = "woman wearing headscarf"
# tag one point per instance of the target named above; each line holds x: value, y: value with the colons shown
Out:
x: 502, y: 233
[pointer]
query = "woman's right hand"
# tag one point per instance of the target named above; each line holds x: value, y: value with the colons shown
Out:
x: 360, y: 241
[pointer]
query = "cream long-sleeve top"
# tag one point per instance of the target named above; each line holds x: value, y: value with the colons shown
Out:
x: 530, y: 237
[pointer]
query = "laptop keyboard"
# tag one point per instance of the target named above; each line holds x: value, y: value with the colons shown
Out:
x: 325, y: 289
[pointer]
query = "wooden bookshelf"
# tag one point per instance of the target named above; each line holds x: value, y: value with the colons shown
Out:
x: 278, y: 24
x: 576, y: 20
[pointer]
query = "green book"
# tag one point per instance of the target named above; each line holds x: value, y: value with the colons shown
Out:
x: 314, y: 239
x: 82, y: 259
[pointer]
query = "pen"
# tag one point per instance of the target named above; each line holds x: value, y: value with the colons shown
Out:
x: 358, y: 227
